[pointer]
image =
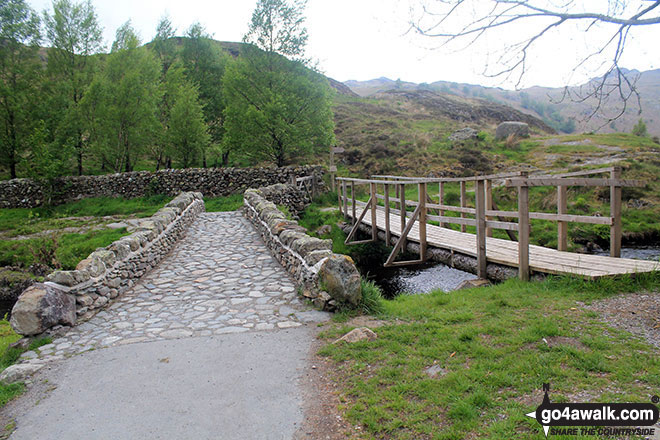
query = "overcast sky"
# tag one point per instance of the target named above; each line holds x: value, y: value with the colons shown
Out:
x: 366, y: 39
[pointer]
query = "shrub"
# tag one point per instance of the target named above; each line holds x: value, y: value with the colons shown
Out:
x: 640, y: 129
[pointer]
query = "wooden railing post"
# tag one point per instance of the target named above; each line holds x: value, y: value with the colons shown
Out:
x: 374, y: 207
x: 480, y: 204
x: 463, y: 203
x: 523, y: 231
x: 615, y: 213
x: 402, y: 198
x: 343, y: 186
x: 339, y: 198
x: 353, y: 207
x: 441, y: 201
x: 421, y: 191
x: 388, y: 234
x: 488, y: 189
x: 562, y: 227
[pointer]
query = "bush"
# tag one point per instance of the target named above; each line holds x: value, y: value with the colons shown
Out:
x: 640, y: 129
x: 372, y: 298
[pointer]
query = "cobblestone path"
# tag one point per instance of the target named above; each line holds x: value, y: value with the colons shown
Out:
x: 219, y: 279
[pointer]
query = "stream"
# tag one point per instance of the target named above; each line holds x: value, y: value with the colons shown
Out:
x: 424, y: 278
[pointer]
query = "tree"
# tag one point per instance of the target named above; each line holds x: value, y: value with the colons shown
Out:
x: 640, y: 129
x: 163, y: 44
x: 277, y: 108
x: 205, y: 65
x: 19, y: 70
x: 75, y: 35
x: 123, y: 102
x: 187, y: 133
x: 278, y: 27
x: 450, y: 21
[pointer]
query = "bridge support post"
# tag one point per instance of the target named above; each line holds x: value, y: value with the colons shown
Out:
x: 488, y: 189
x: 441, y: 201
x: 402, y: 198
x: 343, y: 187
x: 353, y: 201
x: 339, y: 198
x: 422, y: 220
x: 388, y: 234
x: 523, y: 232
x: 615, y: 213
x: 463, y: 203
x: 374, y: 207
x: 480, y: 203
x: 562, y: 227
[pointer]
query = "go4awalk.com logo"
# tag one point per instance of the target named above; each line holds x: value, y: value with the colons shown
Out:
x: 603, y: 419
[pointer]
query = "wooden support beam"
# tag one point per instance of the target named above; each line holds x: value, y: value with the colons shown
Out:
x: 562, y: 226
x: 374, y: 207
x: 441, y: 200
x: 463, y: 203
x: 488, y: 189
x: 356, y: 226
x: 574, y: 182
x: 480, y: 203
x: 615, y: 213
x: 388, y: 233
x: 402, y: 241
x: 339, y: 202
x: 402, y: 208
x: 523, y: 233
x: 343, y: 185
x: 353, y: 200
x: 422, y: 195
x: 452, y: 220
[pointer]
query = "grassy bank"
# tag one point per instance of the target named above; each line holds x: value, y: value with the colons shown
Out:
x: 490, y: 350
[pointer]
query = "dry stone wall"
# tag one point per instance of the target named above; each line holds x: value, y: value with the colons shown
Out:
x: 326, y: 278
x: 107, y: 272
x: 212, y: 182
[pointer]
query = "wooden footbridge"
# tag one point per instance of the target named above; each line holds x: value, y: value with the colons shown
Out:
x: 388, y: 213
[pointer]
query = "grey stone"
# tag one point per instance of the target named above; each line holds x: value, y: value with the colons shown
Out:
x: 19, y: 372
x: 464, y: 134
x: 94, y: 266
x: 508, y: 128
x: 340, y: 278
x: 356, y: 335
x: 41, y: 307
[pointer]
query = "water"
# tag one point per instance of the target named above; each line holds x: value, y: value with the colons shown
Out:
x: 422, y: 278
x: 637, y: 253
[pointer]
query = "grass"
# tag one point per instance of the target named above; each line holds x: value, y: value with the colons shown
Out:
x: 488, y: 344
x: 62, y: 251
x: 9, y: 356
x: 220, y: 204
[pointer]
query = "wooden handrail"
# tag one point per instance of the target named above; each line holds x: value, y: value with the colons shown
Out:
x: 485, y: 210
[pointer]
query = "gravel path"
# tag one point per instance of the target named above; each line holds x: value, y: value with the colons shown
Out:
x: 638, y: 313
x: 220, y: 279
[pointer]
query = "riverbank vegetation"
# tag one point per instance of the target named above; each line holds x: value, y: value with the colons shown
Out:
x: 471, y: 363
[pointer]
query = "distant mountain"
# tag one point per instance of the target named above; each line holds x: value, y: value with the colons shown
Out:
x: 543, y: 102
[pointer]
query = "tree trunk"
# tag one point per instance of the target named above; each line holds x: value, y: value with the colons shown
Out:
x: 225, y: 158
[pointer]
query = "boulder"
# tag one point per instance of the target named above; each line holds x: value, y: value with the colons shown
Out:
x: 19, y: 372
x: 506, y: 129
x: 307, y: 244
x: 464, y: 134
x: 68, y: 278
x: 356, y: 335
x: 340, y: 278
x: 324, y: 230
x: 41, y: 307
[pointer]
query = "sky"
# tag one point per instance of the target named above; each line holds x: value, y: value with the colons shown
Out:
x: 366, y: 39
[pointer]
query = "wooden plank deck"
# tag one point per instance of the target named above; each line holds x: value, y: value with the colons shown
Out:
x: 505, y: 252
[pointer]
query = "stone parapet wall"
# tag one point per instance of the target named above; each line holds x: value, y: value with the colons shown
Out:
x: 326, y: 278
x: 212, y: 182
x: 109, y: 271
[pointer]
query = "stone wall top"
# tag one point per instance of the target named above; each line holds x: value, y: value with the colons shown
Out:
x: 212, y: 182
